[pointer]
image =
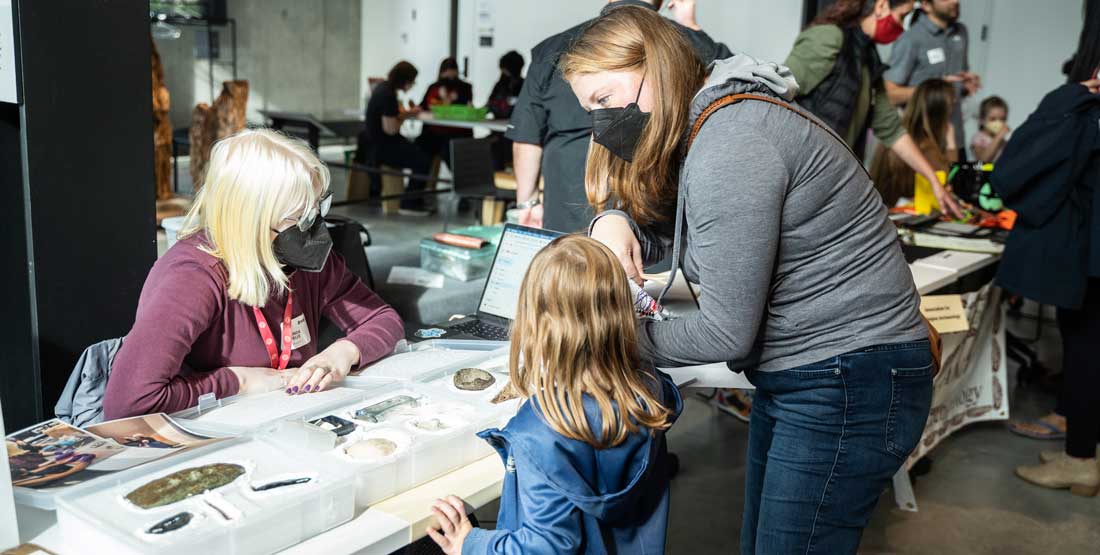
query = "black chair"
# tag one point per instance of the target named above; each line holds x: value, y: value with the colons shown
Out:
x: 473, y: 174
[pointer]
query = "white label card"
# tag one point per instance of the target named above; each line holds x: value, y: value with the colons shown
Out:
x: 299, y: 332
x: 936, y: 56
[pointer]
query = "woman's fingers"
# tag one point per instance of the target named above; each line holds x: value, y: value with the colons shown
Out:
x: 325, y: 382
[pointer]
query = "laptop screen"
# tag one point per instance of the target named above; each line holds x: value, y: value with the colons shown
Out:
x: 517, y: 247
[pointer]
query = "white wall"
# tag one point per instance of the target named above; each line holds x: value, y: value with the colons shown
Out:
x: 765, y: 29
x: 414, y: 30
x: 1027, y: 44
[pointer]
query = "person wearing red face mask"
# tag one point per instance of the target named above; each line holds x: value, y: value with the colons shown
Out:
x: 840, y: 78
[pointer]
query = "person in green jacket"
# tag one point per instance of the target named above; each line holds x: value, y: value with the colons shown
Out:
x: 839, y: 74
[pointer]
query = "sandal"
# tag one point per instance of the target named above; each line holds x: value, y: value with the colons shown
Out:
x: 1052, y: 431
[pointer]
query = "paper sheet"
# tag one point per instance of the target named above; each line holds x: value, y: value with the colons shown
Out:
x: 407, y: 275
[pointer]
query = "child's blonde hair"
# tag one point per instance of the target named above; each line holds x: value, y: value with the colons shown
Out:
x: 575, y: 335
x: 256, y: 178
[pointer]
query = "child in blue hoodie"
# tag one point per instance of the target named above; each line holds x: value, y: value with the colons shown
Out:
x: 585, y: 457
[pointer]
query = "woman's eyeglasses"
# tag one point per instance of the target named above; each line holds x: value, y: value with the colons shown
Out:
x: 309, y: 217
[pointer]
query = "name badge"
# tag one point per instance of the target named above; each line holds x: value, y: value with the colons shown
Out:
x: 936, y: 56
x: 299, y: 332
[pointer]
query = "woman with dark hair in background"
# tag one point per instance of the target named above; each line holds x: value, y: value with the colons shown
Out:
x: 928, y: 121
x: 1049, y: 173
x: 839, y: 74
x: 383, y: 143
x: 447, y: 90
x: 503, y: 100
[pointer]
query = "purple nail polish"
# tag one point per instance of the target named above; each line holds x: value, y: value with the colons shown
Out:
x: 288, y: 392
x: 307, y: 388
x: 294, y: 389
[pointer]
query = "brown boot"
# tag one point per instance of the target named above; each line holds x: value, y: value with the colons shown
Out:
x: 1081, y: 476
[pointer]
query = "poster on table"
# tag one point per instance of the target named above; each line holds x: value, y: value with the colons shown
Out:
x: 54, y: 454
x: 972, y: 384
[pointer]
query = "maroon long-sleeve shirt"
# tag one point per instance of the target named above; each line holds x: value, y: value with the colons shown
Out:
x: 186, y: 316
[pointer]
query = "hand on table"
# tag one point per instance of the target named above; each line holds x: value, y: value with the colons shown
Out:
x: 947, y: 201
x: 329, y: 366
x: 452, y: 525
x: 615, y: 233
x: 531, y: 217
x: 257, y: 380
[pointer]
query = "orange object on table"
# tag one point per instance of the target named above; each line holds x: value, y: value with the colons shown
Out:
x: 463, y: 241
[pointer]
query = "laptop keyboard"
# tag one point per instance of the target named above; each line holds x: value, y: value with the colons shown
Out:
x: 483, y: 330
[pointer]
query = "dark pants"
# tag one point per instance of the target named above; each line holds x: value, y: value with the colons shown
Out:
x: 1080, y: 399
x: 400, y: 153
x: 824, y: 441
x: 436, y: 141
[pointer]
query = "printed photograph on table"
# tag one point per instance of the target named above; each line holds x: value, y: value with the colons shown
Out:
x: 56, y: 454
x: 155, y: 431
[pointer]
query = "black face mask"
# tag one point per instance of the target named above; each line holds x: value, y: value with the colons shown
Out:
x: 619, y: 129
x: 304, y: 250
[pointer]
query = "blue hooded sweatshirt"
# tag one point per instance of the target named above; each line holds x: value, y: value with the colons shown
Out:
x: 562, y: 495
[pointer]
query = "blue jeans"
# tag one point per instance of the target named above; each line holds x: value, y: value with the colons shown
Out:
x: 825, y: 440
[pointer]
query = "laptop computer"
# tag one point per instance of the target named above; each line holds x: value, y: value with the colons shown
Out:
x: 497, y: 306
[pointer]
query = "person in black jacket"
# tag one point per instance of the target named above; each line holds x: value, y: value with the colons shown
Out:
x: 552, y: 132
x: 503, y: 100
x: 435, y: 140
x: 1049, y: 174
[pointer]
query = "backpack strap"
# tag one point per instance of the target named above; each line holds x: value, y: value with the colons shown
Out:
x: 735, y: 98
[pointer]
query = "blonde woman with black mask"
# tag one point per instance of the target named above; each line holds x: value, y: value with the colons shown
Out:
x: 804, y: 287
x: 238, y: 299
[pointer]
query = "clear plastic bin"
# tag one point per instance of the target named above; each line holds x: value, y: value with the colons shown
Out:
x: 103, y: 521
x: 242, y: 414
x: 461, y: 263
x: 422, y: 455
x: 46, y: 498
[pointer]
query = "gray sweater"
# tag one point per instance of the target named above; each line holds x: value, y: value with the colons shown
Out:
x: 784, y: 233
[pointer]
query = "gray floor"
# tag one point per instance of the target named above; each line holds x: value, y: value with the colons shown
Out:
x: 970, y: 503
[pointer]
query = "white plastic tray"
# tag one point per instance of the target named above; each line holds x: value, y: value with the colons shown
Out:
x: 242, y: 414
x: 103, y: 521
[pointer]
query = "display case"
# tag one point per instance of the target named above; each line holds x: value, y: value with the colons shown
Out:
x: 409, y: 433
x: 459, y: 262
x: 242, y: 414
x: 250, y: 496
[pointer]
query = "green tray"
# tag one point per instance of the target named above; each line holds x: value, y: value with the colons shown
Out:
x: 459, y: 112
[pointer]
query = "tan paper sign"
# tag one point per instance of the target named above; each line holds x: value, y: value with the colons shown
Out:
x: 946, y: 313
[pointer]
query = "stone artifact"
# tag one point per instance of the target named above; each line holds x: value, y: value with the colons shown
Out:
x: 170, y: 524
x: 377, y: 412
x: 430, y: 425
x: 180, y: 485
x: 473, y: 379
x: 506, y: 394
x: 282, y: 483
x: 372, y: 449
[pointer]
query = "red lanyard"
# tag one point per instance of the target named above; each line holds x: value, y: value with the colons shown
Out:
x: 278, y: 361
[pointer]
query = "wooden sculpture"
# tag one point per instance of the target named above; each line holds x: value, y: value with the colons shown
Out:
x: 211, y: 123
x: 162, y: 130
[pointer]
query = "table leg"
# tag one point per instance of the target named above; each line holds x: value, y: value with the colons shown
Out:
x: 903, y: 491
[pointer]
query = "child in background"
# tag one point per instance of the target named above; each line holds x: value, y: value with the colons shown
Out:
x: 990, y: 140
x: 585, y: 456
